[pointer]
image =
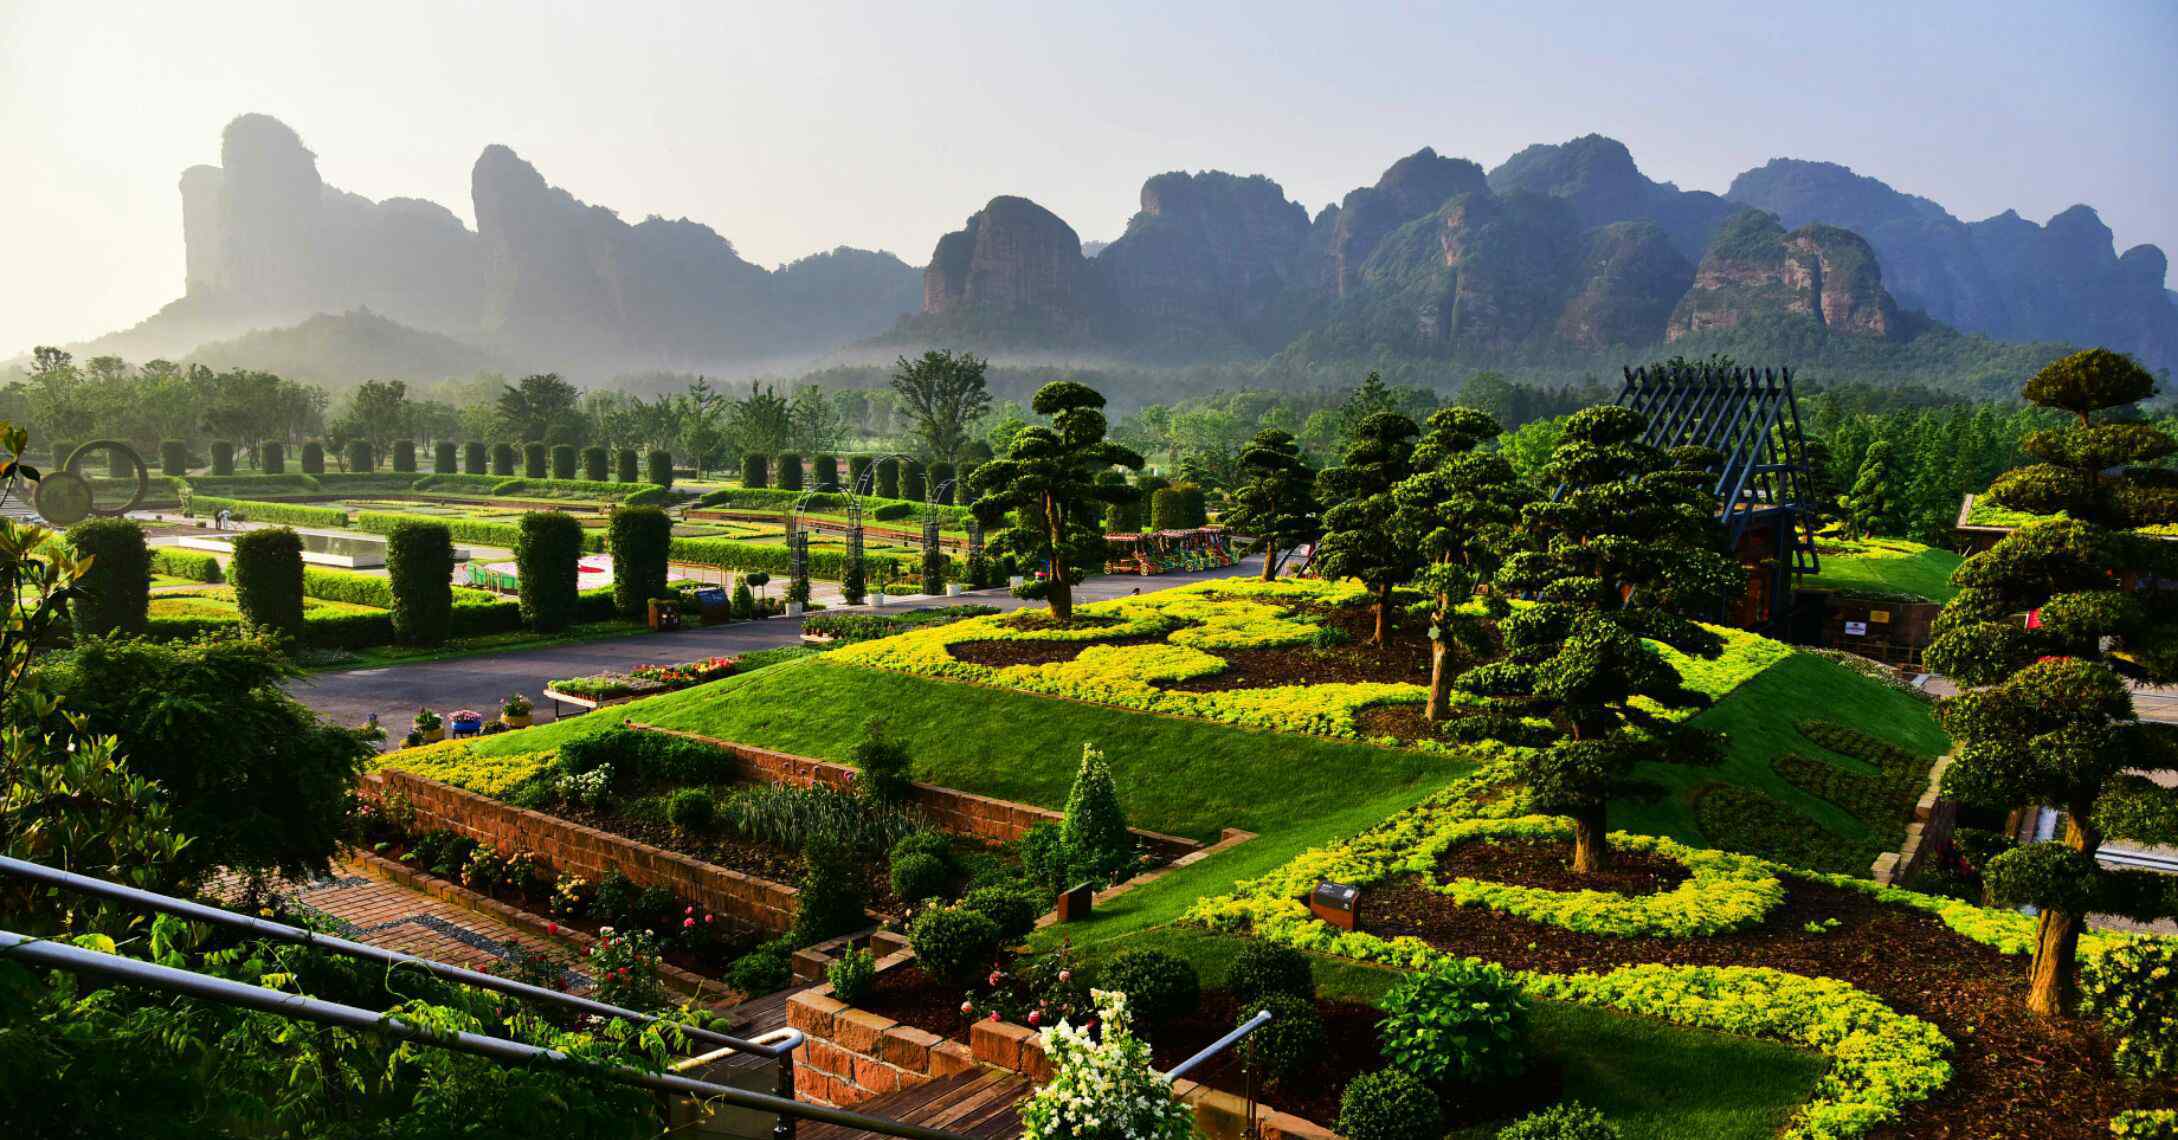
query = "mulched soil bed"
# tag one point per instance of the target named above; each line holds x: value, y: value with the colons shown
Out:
x: 1548, y: 865
x: 2014, y: 1074
x: 1405, y: 659
x: 749, y: 857
x: 912, y: 997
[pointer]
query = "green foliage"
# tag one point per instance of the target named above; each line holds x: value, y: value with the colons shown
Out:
x: 1161, y: 987
x: 420, y: 571
x: 291, y: 514
x: 848, y: 628
x: 222, y: 457
x: 1048, y: 482
x: 1265, y: 969
x: 1359, y: 540
x: 886, y: 770
x: 2049, y: 876
x: 640, y: 540
x: 1095, y: 831
x: 914, y: 486
x: 1011, y: 909
x: 788, y: 469
x: 445, y: 458
x: 2134, y: 990
x: 475, y: 458
x: 272, y: 457
x: 535, y: 460
x: 952, y: 942
x: 765, y: 970
x: 1181, y: 506
x: 268, y: 580
x: 174, y: 562
x: 1872, y: 507
x: 1753, y: 821
x: 831, y: 892
x: 115, y: 592
x: 627, y: 466
x: 691, y: 809
x: 1292, y: 1042
x: 659, y: 468
x: 918, y: 878
x: 1461, y: 1021
x: 313, y: 458
x: 852, y: 975
x: 594, y: 464
x: 564, y: 464
x: 860, y: 478
x: 744, y: 602
x: 943, y: 393
x: 888, y: 478
x: 824, y: 473
x: 404, y: 456
x: 1389, y: 1104
x: 503, y: 455
x: 1570, y: 1120
x: 755, y: 473
x: 546, y: 556
x: 360, y: 457
x: 942, y: 489
x: 1277, y: 501
x: 173, y: 457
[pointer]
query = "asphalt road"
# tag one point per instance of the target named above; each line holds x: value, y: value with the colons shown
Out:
x: 395, y: 692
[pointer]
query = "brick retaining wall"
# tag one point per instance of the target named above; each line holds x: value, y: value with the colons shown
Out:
x: 572, y: 848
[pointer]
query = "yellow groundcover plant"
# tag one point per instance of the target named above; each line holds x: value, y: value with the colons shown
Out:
x: 456, y: 762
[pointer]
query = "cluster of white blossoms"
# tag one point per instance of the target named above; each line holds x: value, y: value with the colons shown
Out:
x: 1102, y: 1086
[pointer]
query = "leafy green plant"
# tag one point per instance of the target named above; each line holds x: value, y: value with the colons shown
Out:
x: 831, y: 892
x: 420, y: 570
x: 852, y: 975
x: 115, y: 590
x: 546, y: 556
x: 767, y: 969
x: 1570, y: 1120
x: 691, y: 810
x: 1160, y: 986
x: 1461, y: 1021
x: 1011, y: 909
x: 623, y: 967
x: 952, y: 942
x: 1262, y: 970
x: 640, y: 540
x: 1293, y: 1041
x: 267, y: 569
x: 1103, y: 1087
x: 1389, y: 1104
x: 918, y: 878
x: 885, y: 767
x: 1095, y: 829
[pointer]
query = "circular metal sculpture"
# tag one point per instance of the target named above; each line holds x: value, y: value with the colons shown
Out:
x: 118, y: 455
x: 63, y: 498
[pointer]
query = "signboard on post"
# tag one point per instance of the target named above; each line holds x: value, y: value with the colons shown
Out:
x: 1336, y: 903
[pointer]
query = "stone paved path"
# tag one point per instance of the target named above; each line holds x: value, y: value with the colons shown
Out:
x: 396, y: 918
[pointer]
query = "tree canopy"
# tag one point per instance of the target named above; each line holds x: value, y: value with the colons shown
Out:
x: 943, y: 393
x: 1048, y: 481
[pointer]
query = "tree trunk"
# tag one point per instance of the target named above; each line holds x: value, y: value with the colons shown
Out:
x: 1062, y: 599
x: 1270, y: 561
x: 2054, y: 989
x: 1440, y: 680
x: 1591, y: 850
x: 1382, y: 637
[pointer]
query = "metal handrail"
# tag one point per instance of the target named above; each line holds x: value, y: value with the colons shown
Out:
x: 1261, y: 1019
x: 279, y: 931
x: 62, y: 956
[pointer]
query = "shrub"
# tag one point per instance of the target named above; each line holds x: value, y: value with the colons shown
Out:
x: 852, y: 975
x: 1178, y: 507
x: 2134, y: 989
x: 627, y: 466
x: 475, y: 458
x: 545, y: 556
x: 1292, y: 1041
x: 888, y: 478
x: 919, y: 877
x: 564, y: 461
x: 640, y: 540
x: 404, y: 456
x: 892, y: 512
x: 1266, y: 969
x: 445, y: 458
x: 1104, y: 1087
x: 503, y: 459
x: 691, y: 809
x: 1570, y: 1120
x: 753, y: 473
x: 1095, y: 832
x: 824, y: 473
x: 272, y: 457
x: 116, y: 589
x: 1389, y: 1104
x: 222, y: 457
x: 931, y: 843
x: 953, y: 943
x: 860, y: 481
x: 659, y: 467
x: 831, y: 892
x: 1044, y: 858
x: 313, y: 458
x: 177, y: 563
x: 595, y: 464
x: 853, y: 582
x: 787, y: 471
x: 744, y: 602
x: 883, y: 762
x: 1462, y: 1020
x: 173, y: 457
x: 1159, y: 986
x: 360, y: 457
x: 941, y: 483
x: 292, y: 514
x: 765, y: 970
x: 268, y: 580
x: 1012, y: 910
x: 914, y: 485
x: 420, y: 573
x: 534, y: 457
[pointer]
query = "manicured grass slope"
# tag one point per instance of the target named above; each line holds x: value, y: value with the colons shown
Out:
x: 1889, y: 566
x: 1758, y: 719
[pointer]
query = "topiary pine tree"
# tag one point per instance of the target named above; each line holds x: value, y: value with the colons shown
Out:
x: 1277, y: 502
x: 1627, y: 553
x: 1048, y: 480
x: 1458, y: 511
x: 1872, y: 505
x: 1094, y: 831
x: 1358, y: 539
x: 2048, y: 719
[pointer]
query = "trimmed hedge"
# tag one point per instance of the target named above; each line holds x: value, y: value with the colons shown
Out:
x: 256, y: 487
x: 404, y: 456
x: 533, y: 461
x: 787, y: 471
x: 1178, y: 507
x: 731, y: 554
x: 914, y: 481
x: 595, y: 466
x: 268, y: 580
x: 173, y: 457
x: 445, y: 458
x: 360, y: 458
x: 858, y: 475
x: 773, y: 499
x: 366, y: 482
x: 313, y: 458
x: 222, y: 458
x: 640, y: 540
x: 546, y: 551
x: 753, y: 473
x: 888, y: 478
x: 627, y: 465
x: 824, y: 473
x: 502, y: 459
x: 420, y: 569
x: 117, y: 588
x: 563, y: 461
x: 941, y: 483
x: 272, y: 457
x: 475, y: 458
x: 347, y: 586
x: 175, y: 562
x: 659, y: 468
x: 633, y: 493
x: 481, y: 531
x: 289, y: 514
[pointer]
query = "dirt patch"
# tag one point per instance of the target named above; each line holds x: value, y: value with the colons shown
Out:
x: 2014, y: 1074
x: 759, y: 859
x: 911, y: 996
x: 1000, y: 654
x: 1026, y: 621
x: 1404, y: 660
x: 1549, y: 865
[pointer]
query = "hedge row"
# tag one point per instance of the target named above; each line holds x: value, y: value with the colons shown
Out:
x: 267, y: 572
x: 637, y: 494
x: 290, y: 514
x: 475, y: 614
x: 730, y: 554
x: 175, y: 562
x: 248, y: 486
x: 464, y: 530
x: 774, y: 499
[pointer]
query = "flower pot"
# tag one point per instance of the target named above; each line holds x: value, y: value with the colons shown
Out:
x: 513, y: 721
x: 877, y: 598
x: 952, y: 589
x: 433, y: 735
x: 1014, y: 582
x: 794, y: 609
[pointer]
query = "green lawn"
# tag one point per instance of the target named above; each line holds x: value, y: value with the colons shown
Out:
x: 1885, y: 566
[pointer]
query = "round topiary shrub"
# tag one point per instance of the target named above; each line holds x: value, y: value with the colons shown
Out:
x: 267, y: 572
x: 563, y: 461
x: 888, y: 478
x: 860, y: 478
x: 2131, y: 988
x: 475, y: 458
x: 789, y: 471
x: 824, y: 473
x: 932, y: 843
x: 222, y: 457
x: 503, y: 459
x: 952, y: 943
x: 404, y: 456
x: 547, y: 552
x: 753, y: 472
x: 1178, y: 507
x: 919, y: 877
x: 445, y: 458
x: 1570, y: 1120
x: 941, y: 483
x: 627, y: 466
x: 691, y: 809
x: 658, y: 468
x: 1389, y: 1104
x: 767, y: 969
x: 1011, y: 909
x: 1265, y: 969
x: 913, y: 486
x: 361, y: 460
x: 1159, y: 986
x: 313, y: 458
x: 272, y: 457
x: 595, y: 464
x: 1292, y: 1041
x: 1461, y: 1021
x: 535, y: 457
x: 420, y: 570
x: 116, y: 590
x: 640, y: 539
x: 173, y: 457
x: 831, y: 892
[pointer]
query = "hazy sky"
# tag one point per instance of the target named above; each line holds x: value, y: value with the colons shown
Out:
x: 794, y: 127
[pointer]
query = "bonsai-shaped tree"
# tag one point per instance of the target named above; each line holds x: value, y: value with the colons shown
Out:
x: 1048, y: 480
x: 1358, y: 540
x: 1276, y: 501
x: 2049, y: 720
x: 1872, y: 506
x: 1625, y: 554
x: 1458, y: 510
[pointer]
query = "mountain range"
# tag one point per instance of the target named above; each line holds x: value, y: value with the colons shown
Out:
x: 1564, y: 252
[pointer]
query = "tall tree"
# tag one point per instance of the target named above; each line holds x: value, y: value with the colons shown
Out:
x: 1048, y: 480
x: 378, y: 411
x: 943, y: 393
x: 2049, y: 720
x: 761, y: 423
x: 541, y: 407
x: 1276, y: 498
x: 1458, y: 511
x: 815, y: 421
x: 1872, y: 505
x: 1627, y: 553
x: 1359, y: 540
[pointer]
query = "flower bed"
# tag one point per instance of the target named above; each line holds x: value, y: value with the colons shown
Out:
x: 641, y: 681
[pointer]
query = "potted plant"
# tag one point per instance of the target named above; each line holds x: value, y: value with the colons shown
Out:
x: 514, y: 713
x: 429, y: 726
x: 883, y: 579
x: 466, y: 722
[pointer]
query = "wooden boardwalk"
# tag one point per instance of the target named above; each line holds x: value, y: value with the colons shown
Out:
x: 981, y: 1104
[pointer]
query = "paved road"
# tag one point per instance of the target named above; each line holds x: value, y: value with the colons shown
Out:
x: 395, y: 692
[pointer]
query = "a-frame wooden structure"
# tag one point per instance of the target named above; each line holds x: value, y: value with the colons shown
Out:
x: 1749, y: 417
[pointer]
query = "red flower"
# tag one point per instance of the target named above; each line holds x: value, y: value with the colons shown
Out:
x: 994, y: 1015
x: 687, y: 922
x: 552, y: 928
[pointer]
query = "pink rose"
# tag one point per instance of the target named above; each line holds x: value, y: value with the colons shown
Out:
x: 1035, y: 1016
x: 968, y: 1008
x: 687, y: 922
x: 994, y: 1015
x: 1065, y: 976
